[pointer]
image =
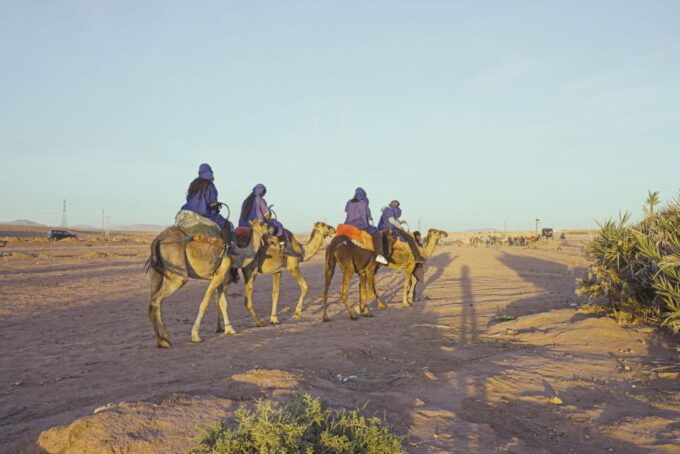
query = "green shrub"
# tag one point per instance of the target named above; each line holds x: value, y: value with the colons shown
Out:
x: 637, y: 268
x: 306, y: 425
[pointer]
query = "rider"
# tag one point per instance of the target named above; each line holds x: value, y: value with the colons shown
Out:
x: 202, y: 200
x: 359, y: 215
x: 390, y: 221
x: 255, y: 208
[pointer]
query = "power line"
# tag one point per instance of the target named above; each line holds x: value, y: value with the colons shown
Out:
x: 64, y: 222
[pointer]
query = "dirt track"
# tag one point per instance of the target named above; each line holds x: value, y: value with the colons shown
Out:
x: 74, y: 335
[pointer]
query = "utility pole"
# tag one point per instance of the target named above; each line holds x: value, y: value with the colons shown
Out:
x: 108, y: 226
x: 537, y: 221
x: 64, y: 222
x: 103, y: 223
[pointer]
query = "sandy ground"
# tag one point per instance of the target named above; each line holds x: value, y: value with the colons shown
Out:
x: 495, y: 360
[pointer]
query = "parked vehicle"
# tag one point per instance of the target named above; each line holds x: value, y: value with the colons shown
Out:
x: 547, y: 233
x: 60, y: 234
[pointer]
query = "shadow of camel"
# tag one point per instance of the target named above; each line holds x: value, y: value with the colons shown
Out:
x: 556, y: 280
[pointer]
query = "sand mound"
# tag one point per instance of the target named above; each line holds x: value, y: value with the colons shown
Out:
x: 170, y: 425
x: 566, y: 326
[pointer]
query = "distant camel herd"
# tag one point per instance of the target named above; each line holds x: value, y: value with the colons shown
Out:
x: 494, y: 240
x: 175, y: 258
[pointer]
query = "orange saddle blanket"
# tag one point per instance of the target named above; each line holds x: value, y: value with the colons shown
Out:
x: 360, y: 238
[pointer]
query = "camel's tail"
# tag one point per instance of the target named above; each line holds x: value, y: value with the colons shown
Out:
x: 330, y: 268
x: 154, y: 260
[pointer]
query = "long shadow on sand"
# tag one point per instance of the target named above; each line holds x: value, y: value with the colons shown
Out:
x: 557, y: 281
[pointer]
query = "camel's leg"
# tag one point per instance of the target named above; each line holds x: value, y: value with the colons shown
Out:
x: 359, y: 307
x: 364, y: 295
x: 168, y: 285
x: 276, y: 286
x: 329, y: 271
x: 214, y: 283
x: 250, y: 283
x: 222, y: 305
x: 412, y: 292
x: 218, y: 310
x: 346, y: 278
x: 297, y: 275
x: 407, y: 287
x: 370, y: 287
x: 381, y: 305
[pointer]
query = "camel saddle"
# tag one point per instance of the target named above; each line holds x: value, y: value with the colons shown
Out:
x: 359, y: 237
x: 199, y: 228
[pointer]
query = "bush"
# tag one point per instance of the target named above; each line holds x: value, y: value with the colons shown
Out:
x: 637, y: 268
x: 306, y: 425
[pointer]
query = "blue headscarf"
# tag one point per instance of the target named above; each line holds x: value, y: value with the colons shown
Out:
x: 360, y: 194
x: 205, y: 172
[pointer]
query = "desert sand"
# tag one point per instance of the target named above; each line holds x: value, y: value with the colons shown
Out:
x: 498, y: 358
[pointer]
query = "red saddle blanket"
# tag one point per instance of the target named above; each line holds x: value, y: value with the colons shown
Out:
x: 243, y: 236
x: 359, y: 237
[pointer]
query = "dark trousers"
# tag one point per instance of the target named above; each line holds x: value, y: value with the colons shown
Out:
x: 228, y: 233
x: 419, y: 273
x: 379, y: 245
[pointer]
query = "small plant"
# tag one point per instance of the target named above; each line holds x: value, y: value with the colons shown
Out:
x: 306, y: 425
x: 637, y: 268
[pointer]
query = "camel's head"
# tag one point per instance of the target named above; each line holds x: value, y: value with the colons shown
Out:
x: 324, y: 229
x: 437, y: 234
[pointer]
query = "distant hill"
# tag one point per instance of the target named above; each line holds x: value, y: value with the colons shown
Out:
x: 140, y: 227
x: 83, y: 227
x: 24, y: 222
x: 124, y: 228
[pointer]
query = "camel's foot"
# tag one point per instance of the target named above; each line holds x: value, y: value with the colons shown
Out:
x: 326, y: 318
x: 163, y: 343
x: 297, y: 315
x: 353, y: 316
x: 407, y: 304
x: 274, y: 320
x: 229, y: 330
x: 363, y: 311
x: 259, y: 323
x: 196, y: 339
x: 381, y: 305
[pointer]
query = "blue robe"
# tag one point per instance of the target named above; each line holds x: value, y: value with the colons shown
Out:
x: 200, y: 203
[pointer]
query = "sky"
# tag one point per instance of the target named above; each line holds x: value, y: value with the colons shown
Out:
x: 473, y: 114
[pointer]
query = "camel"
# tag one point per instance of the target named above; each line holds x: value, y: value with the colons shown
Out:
x: 402, y: 259
x: 352, y: 259
x: 175, y: 259
x: 271, y: 260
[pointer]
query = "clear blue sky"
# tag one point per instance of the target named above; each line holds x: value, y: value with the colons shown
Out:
x: 472, y: 113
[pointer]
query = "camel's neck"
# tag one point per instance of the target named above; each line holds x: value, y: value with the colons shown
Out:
x: 312, y: 246
x: 429, y: 247
x: 255, y: 242
x: 254, y: 246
